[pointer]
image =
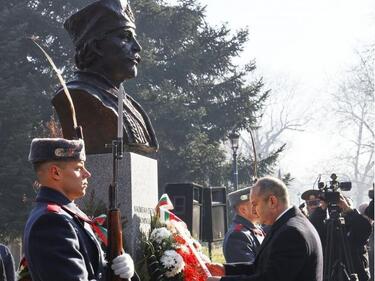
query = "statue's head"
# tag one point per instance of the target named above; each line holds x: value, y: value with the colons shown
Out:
x: 104, y: 37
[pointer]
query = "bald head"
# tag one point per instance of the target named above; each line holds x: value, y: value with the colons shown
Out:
x: 269, y: 198
x: 273, y: 186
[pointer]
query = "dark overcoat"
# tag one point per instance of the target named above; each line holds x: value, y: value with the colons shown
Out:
x: 291, y: 251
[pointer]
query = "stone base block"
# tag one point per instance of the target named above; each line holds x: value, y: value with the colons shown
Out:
x: 137, y: 193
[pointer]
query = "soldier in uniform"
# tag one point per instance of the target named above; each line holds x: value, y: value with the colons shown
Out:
x: 243, y: 237
x: 106, y: 54
x: 58, y: 240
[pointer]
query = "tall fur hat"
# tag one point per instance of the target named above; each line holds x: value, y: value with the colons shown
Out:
x: 239, y: 196
x: 56, y: 149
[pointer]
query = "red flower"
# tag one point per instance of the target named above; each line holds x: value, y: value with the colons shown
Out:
x: 179, y: 239
x: 192, y: 270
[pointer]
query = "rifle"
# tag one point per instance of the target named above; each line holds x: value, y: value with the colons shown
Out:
x: 115, y: 246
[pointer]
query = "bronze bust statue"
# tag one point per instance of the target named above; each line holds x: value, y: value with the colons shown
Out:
x: 107, y: 53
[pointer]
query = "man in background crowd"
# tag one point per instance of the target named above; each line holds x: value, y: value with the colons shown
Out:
x: 369, y: 212
x: 243, y: 236
x: 312, y: 200
x: 357, y: 230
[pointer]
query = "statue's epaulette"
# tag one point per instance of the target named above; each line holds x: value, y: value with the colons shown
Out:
x: 238, y: 227
x: 53, y: 208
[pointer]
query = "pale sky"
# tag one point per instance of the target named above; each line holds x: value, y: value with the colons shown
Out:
x: 310, y: 43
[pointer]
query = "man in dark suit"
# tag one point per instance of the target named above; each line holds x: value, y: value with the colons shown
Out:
x: 58, y: 240
x: 292, y: 249
x: 243, y: 237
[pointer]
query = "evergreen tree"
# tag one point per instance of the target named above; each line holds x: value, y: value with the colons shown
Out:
x: 187, y: 82
x: 26, y: 85
x: 193, y: 91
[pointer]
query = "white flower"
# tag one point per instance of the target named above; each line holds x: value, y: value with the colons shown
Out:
x: 159, y: 234
x: 172, y: 261
x: 204, y: 258
x: 184, y: 248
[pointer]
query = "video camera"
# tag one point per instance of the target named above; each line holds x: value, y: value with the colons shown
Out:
x: 338, y: 263
x: 330, y: 193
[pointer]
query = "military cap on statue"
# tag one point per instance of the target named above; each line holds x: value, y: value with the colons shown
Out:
x: 97, y: 19
x: 308, y: 193
x: 56, y: 149
x: 239, y: 196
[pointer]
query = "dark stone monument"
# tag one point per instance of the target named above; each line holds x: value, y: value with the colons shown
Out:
x: 107, y: 53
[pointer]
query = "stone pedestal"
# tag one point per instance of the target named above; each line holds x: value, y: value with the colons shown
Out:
x: 137, y: 193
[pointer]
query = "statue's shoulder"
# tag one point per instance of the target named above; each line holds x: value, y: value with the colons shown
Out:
x: 82, y: 87
x: 85, y: 88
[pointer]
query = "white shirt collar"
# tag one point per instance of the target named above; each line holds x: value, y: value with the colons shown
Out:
x: 283, y: 213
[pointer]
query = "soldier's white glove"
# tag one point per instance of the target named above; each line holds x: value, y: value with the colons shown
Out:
x: 123, y: 266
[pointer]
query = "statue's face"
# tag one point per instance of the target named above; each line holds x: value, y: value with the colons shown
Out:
x: 120, y: 53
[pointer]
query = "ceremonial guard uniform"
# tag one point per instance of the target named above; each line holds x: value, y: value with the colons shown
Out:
x: 243, y: 237
x: 59, y: 242
x: 242, y: 240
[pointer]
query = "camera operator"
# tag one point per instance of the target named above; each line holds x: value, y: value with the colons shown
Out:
x: 370, y: 209
x: 369, y: 212
x: 312, y: 200
x: 357, y: 230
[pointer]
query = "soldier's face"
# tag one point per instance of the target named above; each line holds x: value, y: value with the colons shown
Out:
x: 120, y: 53
x: 74, y: 177
x: 247, y: 212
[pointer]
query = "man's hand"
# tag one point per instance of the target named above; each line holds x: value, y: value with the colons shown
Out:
x: 214, y: 278
x: 123, y: 266
x: 344, y: 204
x: 216, y: 269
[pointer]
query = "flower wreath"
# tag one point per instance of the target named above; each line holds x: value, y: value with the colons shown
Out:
x: 170, y: 251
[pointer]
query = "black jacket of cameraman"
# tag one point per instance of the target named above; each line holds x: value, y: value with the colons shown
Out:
x: 370, y: 210
x: 358, y: 230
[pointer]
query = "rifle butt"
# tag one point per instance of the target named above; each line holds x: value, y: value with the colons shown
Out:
x: 115, y: 245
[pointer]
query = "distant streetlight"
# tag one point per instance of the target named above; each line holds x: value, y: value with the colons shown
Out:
x: 234, y: 138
